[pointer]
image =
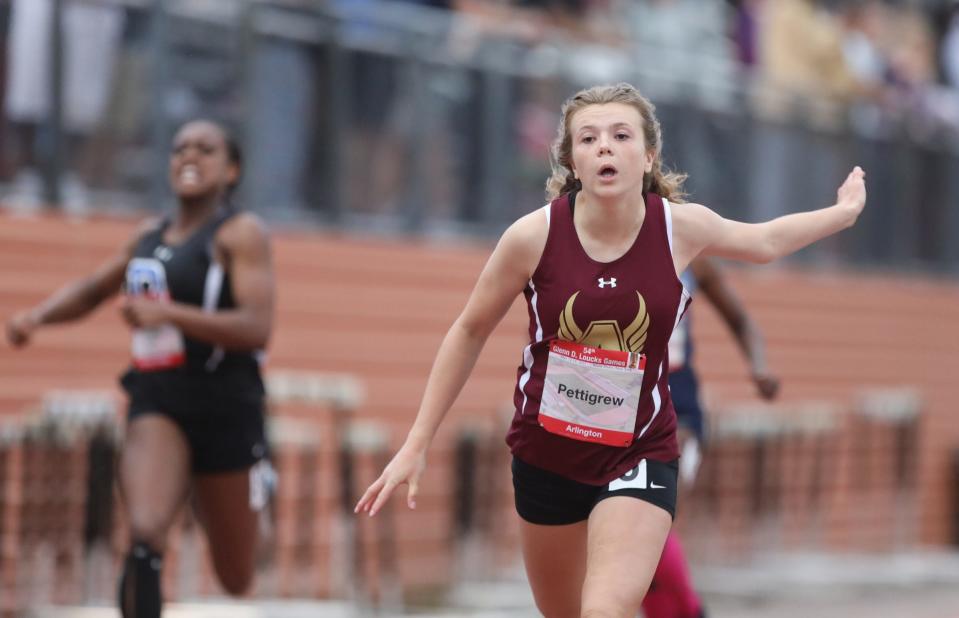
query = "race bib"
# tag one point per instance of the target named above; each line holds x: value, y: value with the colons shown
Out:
x: 591, y: 394
x: 158, y: 347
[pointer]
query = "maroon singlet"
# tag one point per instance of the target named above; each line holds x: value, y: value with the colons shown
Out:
x: 604, y: 314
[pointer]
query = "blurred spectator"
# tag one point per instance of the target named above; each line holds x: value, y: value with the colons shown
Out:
x: 928, y: 108
x: 949, y: 53
x: 121, y: 150
x: 745, y: 30
x: 863, y: 23
x: 912, y: 52
x: 285, y: 156
x: 683, y: 45
x: 802, y: 61
x: 862, y: 45
x: 478, y: 21
x: 481, y: 32
x: 535, y: 22
x: 91, y: 38
x: 282, y: 128
x: 571, y: 16
x: 5, y: 171
x: 376, y: 151
x: 535, y: 129
x: 373, y: 157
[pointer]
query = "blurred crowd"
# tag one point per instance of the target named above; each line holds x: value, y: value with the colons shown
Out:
x: 881, y: 56
x: 868, y: 63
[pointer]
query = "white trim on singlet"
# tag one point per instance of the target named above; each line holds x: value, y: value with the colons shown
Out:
x: 657, y: 400
x: 528, y: 350
x: 212, y: 287
x: 667, y: 210
x: 683, y: 302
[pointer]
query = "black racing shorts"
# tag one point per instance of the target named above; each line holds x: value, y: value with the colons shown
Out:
x: 546, y: 498
x: 221, y: 414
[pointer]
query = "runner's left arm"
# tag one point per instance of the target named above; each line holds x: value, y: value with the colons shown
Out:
x: 712, y: 282
x: 698, y: 229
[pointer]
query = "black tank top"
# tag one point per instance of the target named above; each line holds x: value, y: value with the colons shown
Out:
x: 194, y: 277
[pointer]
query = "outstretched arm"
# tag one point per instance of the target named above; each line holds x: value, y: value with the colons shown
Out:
x: 76, y: 299
x: 712, y: 282
x: 505, y: 275
x: 700, y: 230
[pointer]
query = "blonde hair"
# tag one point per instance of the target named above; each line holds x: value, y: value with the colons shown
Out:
x: 663, y: 182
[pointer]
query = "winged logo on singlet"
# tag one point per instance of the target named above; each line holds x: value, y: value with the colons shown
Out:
x: 606, y: 334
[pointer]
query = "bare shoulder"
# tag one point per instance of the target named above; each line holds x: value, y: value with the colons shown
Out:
x: 529, y: 229
x: 693, y: 226
x: 694, y: 222
x: 245, y: 229
x: 691, y: 214
x: 525, y: 239
x: 150, y: 224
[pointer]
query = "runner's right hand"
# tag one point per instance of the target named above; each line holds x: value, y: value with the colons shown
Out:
x: 406, y: 467
x: 20, y: 328
x: 766, y: 384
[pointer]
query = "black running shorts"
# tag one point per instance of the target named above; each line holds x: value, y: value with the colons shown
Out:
x: 221, y: 414
x: 546, y: 498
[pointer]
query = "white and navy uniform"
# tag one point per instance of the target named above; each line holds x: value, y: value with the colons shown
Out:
x: 683, y: 382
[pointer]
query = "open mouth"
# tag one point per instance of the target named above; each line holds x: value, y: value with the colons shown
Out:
x: 189, y: 174
x: 607, y: 171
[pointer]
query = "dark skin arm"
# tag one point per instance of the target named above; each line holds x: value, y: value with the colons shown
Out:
x: 76, y: 299
x: 713, y: 284
x: 243, y: 247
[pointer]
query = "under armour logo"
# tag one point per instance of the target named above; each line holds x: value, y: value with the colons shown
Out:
x: 163, y: 253
x: 603, y: 283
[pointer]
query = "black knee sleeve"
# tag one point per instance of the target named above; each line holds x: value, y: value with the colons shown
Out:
x: 140, y: 595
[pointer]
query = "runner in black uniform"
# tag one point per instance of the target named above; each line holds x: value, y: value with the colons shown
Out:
x: 199, y: 298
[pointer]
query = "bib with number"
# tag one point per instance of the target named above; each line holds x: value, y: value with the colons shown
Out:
x: 591, y: 394
x: 157, y: 347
